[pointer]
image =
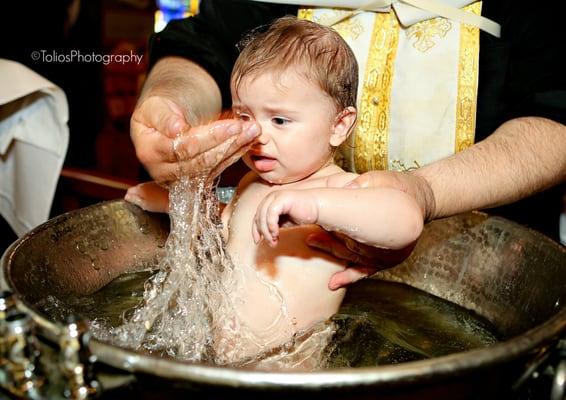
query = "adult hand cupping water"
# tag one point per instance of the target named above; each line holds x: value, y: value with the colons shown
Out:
x: 166, y: 144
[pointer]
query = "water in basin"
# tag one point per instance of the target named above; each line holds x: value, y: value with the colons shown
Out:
x: 379, y: 322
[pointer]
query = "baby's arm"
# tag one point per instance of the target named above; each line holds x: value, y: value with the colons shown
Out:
x: 379, y: 217
x: 152, y: 197
x: 149, y: 196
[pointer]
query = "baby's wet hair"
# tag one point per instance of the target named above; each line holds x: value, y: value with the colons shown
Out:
x: 316, y: 51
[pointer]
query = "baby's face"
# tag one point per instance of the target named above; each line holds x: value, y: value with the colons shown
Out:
x: 296, y: 119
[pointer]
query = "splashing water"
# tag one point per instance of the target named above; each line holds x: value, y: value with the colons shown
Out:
x: 187, y: 301
x: 190, y: 306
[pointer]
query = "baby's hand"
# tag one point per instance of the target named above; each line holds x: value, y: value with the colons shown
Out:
x: 150, y: 196
x: 300, y: 207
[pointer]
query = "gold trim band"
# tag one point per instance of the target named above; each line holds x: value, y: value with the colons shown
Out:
x: 372, y: 131
x: 466, y: 100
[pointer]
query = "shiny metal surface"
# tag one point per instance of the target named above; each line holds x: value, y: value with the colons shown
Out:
x: 507, y: 273
x: 559, y: 385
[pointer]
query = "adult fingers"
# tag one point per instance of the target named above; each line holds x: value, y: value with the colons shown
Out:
x: 350, y: 275
x: 329, y: 244
x: 356, y: 268
x: 153, y: 125
x: 371, y: 255
x: 200, y: 139
x: 166, y: 159
x: 232, y: 154
x: 212, y: 148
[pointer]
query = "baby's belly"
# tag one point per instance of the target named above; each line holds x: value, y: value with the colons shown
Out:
x: 284, y: 290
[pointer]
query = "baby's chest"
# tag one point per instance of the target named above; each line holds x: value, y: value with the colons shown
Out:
x: 291, y: 252
x: 241, y: 219
x: 289, y: 259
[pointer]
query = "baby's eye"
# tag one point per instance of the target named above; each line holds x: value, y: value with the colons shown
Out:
x: 242, y: 116
x: 280, y: 120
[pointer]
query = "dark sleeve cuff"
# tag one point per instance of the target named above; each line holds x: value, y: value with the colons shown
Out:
x: 209, y: 38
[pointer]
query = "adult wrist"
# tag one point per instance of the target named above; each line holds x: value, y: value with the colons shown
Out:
x: 424, y: 196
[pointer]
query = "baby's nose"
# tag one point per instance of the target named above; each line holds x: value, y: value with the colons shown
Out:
x: 263, y: 137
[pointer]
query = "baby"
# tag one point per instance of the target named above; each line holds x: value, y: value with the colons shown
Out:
x: 298, y: 81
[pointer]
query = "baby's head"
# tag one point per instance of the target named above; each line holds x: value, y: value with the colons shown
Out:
x: 315, y: 51
x: 298, y: 80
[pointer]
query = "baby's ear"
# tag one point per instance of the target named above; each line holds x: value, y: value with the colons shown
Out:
x: 343, y: 126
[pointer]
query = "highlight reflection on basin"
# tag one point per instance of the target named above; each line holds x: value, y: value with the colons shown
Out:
x: 513, y: 277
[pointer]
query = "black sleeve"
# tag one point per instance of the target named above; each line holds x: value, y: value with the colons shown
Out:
x: 210, y: 38
x: 523, y: 72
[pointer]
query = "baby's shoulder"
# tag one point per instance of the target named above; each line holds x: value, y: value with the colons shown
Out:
x: 250, y: 181
x: 340, y: 179
x: 336, y: 179
x: 251, y: 186
x: 246, y: 196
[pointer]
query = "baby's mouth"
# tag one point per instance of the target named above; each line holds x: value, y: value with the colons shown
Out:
x: 263, y: 163
x: 257, y: 157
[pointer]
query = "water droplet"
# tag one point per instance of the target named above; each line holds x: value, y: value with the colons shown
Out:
x: 82, y: 246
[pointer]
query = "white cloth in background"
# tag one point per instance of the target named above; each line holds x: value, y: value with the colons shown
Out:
x: 409, y: 12
x: 33, y: 142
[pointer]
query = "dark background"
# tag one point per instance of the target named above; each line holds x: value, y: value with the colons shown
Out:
x: 101, y: 97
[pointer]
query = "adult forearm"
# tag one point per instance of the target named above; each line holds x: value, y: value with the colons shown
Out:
x: 522, y: 157
x: 187, y: 85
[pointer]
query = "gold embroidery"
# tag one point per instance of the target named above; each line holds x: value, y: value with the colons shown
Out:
x: 399, y: 165
x: 305, y: 13
x: 425, y: 31
x: 372, y: 131
x: 349, y: 28
x: 467, y: 82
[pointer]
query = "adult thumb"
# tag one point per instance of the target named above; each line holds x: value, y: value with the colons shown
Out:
x: 174, y: 125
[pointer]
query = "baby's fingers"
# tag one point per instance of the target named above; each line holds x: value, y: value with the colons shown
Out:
x: 260, y: 221
x: 255, y: 232
x: 272, y: 220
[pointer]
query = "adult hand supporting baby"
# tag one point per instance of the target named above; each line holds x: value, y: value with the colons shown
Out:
x: 364, y: 260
